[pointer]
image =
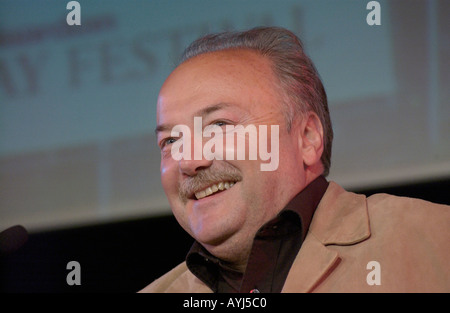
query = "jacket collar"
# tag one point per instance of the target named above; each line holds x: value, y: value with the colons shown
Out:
x: 340, y: 219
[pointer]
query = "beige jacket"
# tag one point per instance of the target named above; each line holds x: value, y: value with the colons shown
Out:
x: 408, y: 238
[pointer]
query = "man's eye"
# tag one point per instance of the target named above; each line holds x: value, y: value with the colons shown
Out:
x: 167, y: 141
x: 220, y: 123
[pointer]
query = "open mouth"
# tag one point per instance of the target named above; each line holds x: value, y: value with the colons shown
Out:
x: 218, y: 187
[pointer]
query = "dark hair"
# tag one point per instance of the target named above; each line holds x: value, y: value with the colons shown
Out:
x: 298, y: 78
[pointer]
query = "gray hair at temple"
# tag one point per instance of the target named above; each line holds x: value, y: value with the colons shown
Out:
x: 298, y: 78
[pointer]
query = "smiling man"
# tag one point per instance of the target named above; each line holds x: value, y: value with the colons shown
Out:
x: 286, y: 229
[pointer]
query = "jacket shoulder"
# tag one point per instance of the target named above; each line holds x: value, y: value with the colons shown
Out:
x: 164, y: 282
x: 416, y: 215
x: 177, y: 280
x: 408, y: 238
x: 404, y: 207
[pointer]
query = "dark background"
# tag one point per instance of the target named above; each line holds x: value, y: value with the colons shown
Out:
x: 127, y: 256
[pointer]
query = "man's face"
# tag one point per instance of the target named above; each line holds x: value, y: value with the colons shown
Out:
x: 226, y: 88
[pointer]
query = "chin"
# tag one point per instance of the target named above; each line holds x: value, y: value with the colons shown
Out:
x: 214, y: 233
x: 210, y: 236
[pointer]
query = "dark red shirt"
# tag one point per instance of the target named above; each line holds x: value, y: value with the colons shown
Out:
x: 274, y: 249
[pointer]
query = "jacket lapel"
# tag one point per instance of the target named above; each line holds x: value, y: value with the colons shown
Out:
x: 306, y: 273
x: 340, y: 219
x: 188, y: 283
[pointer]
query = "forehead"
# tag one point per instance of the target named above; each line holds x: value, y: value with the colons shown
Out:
x: 234, y: 76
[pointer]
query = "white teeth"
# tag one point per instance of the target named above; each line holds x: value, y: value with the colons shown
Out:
x: 213, y: 189
x: 200, y: 194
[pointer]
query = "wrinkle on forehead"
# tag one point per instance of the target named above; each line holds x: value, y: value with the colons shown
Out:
x: 221, y: 74
x: 227, y: 64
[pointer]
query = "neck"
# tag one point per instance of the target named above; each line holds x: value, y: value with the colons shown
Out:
x: 234, y: 253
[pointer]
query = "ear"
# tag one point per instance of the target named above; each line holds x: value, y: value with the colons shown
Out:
x: 311, y: 133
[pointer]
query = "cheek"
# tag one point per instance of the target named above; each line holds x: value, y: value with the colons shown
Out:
x: 169, y: 180
x: 169, y: 177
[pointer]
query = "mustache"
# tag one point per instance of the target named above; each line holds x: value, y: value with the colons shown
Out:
x: 205, y: 178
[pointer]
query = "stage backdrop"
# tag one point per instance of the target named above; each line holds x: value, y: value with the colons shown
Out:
x: 77, y: 103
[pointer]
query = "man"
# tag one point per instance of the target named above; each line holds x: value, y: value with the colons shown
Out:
x: 287, y: 229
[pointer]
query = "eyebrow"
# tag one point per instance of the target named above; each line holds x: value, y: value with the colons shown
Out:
x: 211, y: 108
x: 202, y: 112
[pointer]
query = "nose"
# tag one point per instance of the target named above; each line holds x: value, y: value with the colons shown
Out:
x: 192, y: 167
x: 196, y: 162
